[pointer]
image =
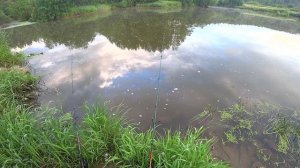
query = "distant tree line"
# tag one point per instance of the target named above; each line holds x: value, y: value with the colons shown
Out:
x: 45, y: 10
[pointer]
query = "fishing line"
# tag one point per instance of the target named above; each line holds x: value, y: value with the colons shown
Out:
x: 83, y: 162
x: 157, y: 95
x: 154, y: 119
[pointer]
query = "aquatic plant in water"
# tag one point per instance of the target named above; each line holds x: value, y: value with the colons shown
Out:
x: 242, y: 123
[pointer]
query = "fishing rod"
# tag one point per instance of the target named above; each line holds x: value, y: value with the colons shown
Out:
x: 83, y: 162
x: 154, y: 119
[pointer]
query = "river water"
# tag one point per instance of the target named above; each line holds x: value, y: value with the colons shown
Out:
x: 209, y: 56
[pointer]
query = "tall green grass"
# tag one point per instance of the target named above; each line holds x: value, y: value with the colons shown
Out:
x: 31, y: 141
x: 16, y: 83
x: 172, y: 150
x: 48, y: 139
x: 7, y: 59
x: 99, y: 133
x: 15, y: 86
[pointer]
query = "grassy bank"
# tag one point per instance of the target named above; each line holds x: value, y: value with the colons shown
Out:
x: 38, y: 137
x: 276, y: 11
x: 88, y: 9
x: 45, y: 141
x: 162, y: 4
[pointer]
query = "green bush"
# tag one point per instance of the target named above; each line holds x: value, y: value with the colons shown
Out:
x: 20, y: 9
x: 46, y: 10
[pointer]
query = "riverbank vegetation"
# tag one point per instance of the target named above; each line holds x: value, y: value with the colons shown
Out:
x: 47, y: 10
x: 285, y: 3
x: 7, y: 58
x: 162, y: 4
x: 41, y: 137
x: 273, y: 10
x: 88, y: 9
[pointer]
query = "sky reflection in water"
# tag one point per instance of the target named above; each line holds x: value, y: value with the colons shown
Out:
x: 215, y: 64
x: 204, y: 62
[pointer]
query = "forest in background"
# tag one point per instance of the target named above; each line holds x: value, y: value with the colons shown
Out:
x: 47, y: 10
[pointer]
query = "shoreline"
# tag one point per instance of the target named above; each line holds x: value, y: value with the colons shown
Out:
x: 15, y: 24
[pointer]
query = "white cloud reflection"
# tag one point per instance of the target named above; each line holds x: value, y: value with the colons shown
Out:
x: 109, y: 62
x: 36, y: 47
x: 106, y: 58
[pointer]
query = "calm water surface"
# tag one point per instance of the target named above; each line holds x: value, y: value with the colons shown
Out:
x: 209, y: 56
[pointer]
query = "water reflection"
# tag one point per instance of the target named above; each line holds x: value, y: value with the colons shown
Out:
x: 213, y: 63
x: 134, y: 29
x: 204, y: 62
